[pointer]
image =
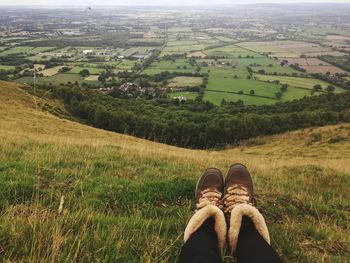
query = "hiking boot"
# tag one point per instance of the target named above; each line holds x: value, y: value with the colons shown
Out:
x: 238, y: 187
x: 209, y: 193
x: 210, y: 189
x: 238, y: 202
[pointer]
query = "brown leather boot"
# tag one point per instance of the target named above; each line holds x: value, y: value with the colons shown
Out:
x: 210, y: 188
x: 238, y: 202
x: 209, y: 193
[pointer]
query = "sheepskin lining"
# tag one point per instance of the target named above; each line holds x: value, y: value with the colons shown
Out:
x: 203, y: 214
x: 236, y: 221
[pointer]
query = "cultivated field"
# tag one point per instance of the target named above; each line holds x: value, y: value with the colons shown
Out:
x: 314, y: 65
x: 296, y: 81
x: 185, y: 82
x: 226, y: 50
x: 179, y: 65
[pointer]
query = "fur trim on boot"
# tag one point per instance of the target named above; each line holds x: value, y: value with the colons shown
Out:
x: 203, y: 214
x: 236, y: 221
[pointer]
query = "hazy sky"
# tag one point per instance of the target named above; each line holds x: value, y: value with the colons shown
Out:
x: 156, y: 2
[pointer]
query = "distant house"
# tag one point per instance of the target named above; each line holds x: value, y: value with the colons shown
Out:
x: 129, y: 86
x: 180, y: 98
x: 141, y: 55
x: 87, y: 51
x: 104, y: 90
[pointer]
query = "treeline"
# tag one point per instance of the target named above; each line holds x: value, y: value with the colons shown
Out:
x: 208, y: 128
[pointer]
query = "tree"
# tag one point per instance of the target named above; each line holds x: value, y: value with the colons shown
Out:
x: 64, y: 69
x: 278, y: 95
x: 84, y: 73
x: 317, y: 87
x: 252, y: 92
x: 330, y: 88
x: 284, y: 87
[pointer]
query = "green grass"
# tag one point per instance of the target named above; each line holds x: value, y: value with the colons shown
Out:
x: 267, y: 64
x: 217, y: 97
x: 181, y: 43
x: 7, y: 68
x: 262, y: 47
x: 168, y: 65
x: 128, y: 200
x: 181, y: 49
x: 223, y: 80
x: 94, y: 71
x: 126, y: 64
x: 56, y: 79
x: 231, y: 51
x: 295, y: 93
x: 185, y: 82
x: 131, y: 51
x: 37, y: 50
x: 180, y: 30
x: 306, y: 83
x: 16, y: 50
x: 225, y: 39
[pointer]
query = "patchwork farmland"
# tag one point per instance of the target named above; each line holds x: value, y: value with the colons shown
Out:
x: 188, y: 59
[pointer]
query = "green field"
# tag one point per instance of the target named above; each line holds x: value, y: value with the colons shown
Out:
x: 93, y: 71
x: 230, y: 51
x: 267, y: 64
x: 16, y: 50
x: 7, y: 68
x: 37, y: 50
x: 225, y: 39
x: 181, y: 43
x: 223, y: 80
x: 181, y: 49
x: 217, y: 97
x: 179, y: 65
x: 295, y: 93
x: 180, y: 30
x: 131, y: 51
x: 57, y: 79
x: 124, y: 65
x: 306, y: 83
x: 228, y: 79
x: 261, y: 47
x: 185, y: 82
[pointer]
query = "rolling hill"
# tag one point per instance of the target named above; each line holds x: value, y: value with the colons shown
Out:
x: 70, y: 192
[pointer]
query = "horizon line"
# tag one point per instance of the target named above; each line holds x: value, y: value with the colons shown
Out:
x: 176, y: 5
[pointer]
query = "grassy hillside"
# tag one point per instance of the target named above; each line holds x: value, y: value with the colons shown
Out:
x: 128, y: 200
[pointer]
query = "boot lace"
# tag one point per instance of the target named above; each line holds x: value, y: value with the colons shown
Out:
x: 236, y: 194
x: 210, y: 197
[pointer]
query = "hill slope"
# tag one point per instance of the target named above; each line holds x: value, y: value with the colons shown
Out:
x: 127, y: 199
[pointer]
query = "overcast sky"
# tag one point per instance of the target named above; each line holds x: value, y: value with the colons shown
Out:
x: 156, y: 2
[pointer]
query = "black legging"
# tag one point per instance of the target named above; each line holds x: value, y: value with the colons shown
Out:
x: 202, y: 246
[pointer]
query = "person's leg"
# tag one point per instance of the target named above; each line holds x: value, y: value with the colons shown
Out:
x: 248, y: 234
x: 202, y: 246
x: 252, y: 247
x: 205, y: 233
